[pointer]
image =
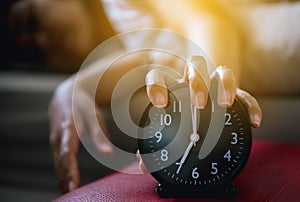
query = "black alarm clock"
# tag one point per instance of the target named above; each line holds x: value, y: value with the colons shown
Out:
x: 194, y: 152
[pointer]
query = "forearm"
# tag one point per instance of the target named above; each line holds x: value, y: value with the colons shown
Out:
x: 99, y: 78
x: 210, y: 25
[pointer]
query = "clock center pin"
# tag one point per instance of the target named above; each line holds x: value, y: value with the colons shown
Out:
x: 194, y: 137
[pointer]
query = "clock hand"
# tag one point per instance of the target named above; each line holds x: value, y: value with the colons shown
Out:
x: 186, y: 153
x: 194, y: 121
x: 194, y: 138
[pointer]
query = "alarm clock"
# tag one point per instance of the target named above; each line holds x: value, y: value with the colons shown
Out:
x: 194, y: 152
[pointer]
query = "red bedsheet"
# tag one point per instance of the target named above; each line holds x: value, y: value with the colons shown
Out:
x: 271, y: 174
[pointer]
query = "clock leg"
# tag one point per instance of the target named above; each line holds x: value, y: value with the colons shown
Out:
x: 226, y: 191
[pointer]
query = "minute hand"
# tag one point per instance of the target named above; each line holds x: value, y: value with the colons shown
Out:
x: 186, y: 153
x: 194, y: 139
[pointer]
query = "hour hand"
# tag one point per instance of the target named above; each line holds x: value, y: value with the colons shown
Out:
x: 194, y: 138
x: 187, y: 151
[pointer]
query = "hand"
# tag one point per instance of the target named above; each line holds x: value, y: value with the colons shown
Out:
x: 64, y: 136
x: 227, y: 90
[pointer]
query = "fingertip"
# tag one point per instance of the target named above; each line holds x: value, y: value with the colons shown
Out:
x: 225, y: 99
x: 198, y: 92
x: 71, y: 182
x: 255, y: 124
x: 252, y: 106
x: 105, y: 148
x: 159, y: 100
x: 200, y: 100
x: 158, y: 95
x: 142, y: 167
x: 138, y: 155
x: 255, y: 120
x: 71, y: 186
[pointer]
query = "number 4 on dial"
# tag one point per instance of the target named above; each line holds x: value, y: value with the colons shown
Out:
x: 228, y: 155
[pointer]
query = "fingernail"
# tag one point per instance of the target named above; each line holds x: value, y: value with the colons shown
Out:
x: 105, y: 148
x: 159, y: 100
x: 200, y: 100
x: 255, y: 120
x: 71, y: 186
x: 225, y: 100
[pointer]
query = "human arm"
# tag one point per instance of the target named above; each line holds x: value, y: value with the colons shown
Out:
x: 71, y: 112
x: 213, y: 28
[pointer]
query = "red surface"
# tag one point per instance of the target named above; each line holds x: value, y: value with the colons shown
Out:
x: 271, y: 174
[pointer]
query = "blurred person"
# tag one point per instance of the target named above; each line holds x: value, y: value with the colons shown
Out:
x: 60, y: 34
x: 53, y: 34
x: 238, y: 34
x: 209, y: 25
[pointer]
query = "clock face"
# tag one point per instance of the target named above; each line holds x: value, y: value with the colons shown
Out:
x: 184, y: 160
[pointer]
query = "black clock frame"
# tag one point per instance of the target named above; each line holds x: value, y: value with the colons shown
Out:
x: 220, y: 189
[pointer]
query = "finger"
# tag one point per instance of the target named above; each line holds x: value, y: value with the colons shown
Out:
x: 67, y: 165
x: 142, y: 166
x: 63, y: 158
x: 157, y: 79
x: 55, y: 148
x: 138, y: 155
x: 252, y: 106
x: 101, y: 142
x: 156, y: 88
x: 71, y: 180
x: 99, y: 134
x: 198, y: 80
x: 94, y: 123
x: 226, y: 86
